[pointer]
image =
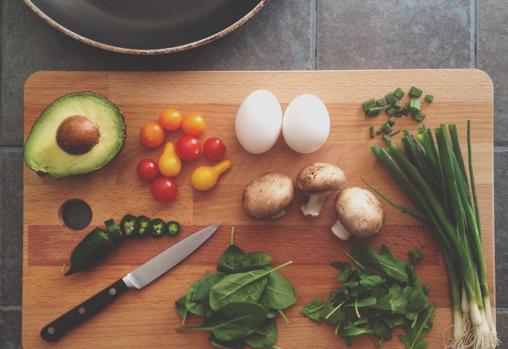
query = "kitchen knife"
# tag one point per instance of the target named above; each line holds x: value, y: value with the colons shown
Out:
x: 136, y: 279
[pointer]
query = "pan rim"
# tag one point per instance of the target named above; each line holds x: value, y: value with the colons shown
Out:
x: 155, y: 51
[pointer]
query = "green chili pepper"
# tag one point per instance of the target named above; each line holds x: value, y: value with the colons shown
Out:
x: 158, y: 227
x: 114, y: 231
x: 89, y: 251
x: 145, y: 226
x: 129, y: 225
x: 173, y: 228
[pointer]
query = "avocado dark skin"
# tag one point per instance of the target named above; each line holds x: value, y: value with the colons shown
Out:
x: 77, y: 135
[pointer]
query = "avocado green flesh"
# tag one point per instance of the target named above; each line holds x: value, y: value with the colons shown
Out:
x: 44, y: 155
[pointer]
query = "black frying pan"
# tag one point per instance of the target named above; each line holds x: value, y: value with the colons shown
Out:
x: 146, y: 26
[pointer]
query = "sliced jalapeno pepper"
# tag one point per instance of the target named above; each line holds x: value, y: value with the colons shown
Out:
x: 129, y: 226
x: 113, y: 230
x: 93, y: 248
x: 158, y: 227
x: 173, y: 228
x: 145, y: 226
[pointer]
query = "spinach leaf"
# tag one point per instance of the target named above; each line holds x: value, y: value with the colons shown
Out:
x: 383, y: 261
x: 230, y: 259
x: 314, y: 310
x: 252, y: 261
x: 196, y: 300
x: 181, y: 309
x: 265, y: 336
x: 240, y: 344
x: 279, y: 293
x: 232, y: 322
x: 240, y: 287
x: 415, y: 256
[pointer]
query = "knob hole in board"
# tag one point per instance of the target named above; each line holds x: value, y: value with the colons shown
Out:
x: 76, y: 214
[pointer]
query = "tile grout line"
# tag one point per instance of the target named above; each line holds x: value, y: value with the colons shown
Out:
x: 11, y: 147
x: 10, y: 308
x: 475, y: 33
x: 315, y: 33
x: 500, y: 148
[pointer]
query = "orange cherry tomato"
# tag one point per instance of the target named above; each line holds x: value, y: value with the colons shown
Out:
x: 193, y: 124
x: 151, y: 135
x: 170, y: 119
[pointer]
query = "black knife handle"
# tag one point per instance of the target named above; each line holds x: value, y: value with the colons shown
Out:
x: 53, y: 331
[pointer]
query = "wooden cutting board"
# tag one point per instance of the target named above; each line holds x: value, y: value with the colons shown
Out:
x: 147, y: 319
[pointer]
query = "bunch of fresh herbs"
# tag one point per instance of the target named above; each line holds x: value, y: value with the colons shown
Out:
x: 378, y: 293
x: 240, y: 301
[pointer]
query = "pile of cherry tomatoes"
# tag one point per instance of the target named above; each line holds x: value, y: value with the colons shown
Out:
x: 188, y: 148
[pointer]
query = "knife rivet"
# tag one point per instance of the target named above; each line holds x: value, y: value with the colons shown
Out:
x: 81, y: 310
x: 51, y: 330
x: 112, y: 291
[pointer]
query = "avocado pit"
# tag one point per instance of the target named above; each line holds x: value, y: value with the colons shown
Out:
x: 77, y: 135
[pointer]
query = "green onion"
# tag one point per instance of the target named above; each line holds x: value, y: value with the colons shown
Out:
x: 371, y: 103
x: 391, y: 111
x: 429, y: 98
x: 380, y: 102
x: 372, y: 132
x: 415, y: 106
x: 433, y: 175
x: 386, y: 128
x: 391, y: 121
x: 374, y: 111
x: 415, y: 92
x: 419, y: 117
x: 398, y: 93
x: 390, y: 99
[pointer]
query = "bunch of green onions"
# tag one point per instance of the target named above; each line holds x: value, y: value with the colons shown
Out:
x: 433, y: 175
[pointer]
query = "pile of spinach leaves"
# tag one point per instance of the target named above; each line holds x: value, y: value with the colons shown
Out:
x: 240, y: 301
x: 378, y: 293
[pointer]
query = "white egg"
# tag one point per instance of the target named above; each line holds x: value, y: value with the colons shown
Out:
x: 306, y: 124
x: 258, y: 121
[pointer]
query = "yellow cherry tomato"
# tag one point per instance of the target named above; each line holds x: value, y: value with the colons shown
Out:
x: 170, y: 119
x: 205, y: 177
x: 193, y: 124
x: 169, y: 163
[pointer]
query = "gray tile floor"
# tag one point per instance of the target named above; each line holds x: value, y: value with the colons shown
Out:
x: 287, y: 34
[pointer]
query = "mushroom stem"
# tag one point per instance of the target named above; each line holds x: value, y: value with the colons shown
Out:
x: 340, y: 231
x: 278, y: 214
x: 313, y: 204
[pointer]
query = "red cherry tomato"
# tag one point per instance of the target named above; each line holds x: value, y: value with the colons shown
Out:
x: 188, y: 148
x: 164, y: 189
x: 147, y: 170
x: 214, y: 149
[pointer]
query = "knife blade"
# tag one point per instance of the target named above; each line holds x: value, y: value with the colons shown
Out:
x: 136, y: 279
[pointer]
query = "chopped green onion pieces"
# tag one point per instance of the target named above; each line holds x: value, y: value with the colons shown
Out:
x: 391, y: 111
x: 419, y: 117
x: 372, y: 133
x: 415, y: 92
x: 398, y: 93
x: 391, y: 121
x: 374, y: 111
x: 390, y: 99
x: 381, y: 102
x: 386, y: 128
x: 415, y: 106
x: 429, y: 98
x: 371, y: 103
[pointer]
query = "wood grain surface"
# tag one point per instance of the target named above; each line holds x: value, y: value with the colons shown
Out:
x: 147, y: 319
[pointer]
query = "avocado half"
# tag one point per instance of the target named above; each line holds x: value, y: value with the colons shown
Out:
x: 78, y: 133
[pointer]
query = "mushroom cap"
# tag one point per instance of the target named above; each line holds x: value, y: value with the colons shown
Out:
x: 267, y: 195
x: 360, y: 211
x: 319, y: 178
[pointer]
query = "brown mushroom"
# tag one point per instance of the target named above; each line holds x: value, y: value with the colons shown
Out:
x: 268, y: 195
x: 317, y: 181
x: 77, y: 135
x: 359, y: 214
